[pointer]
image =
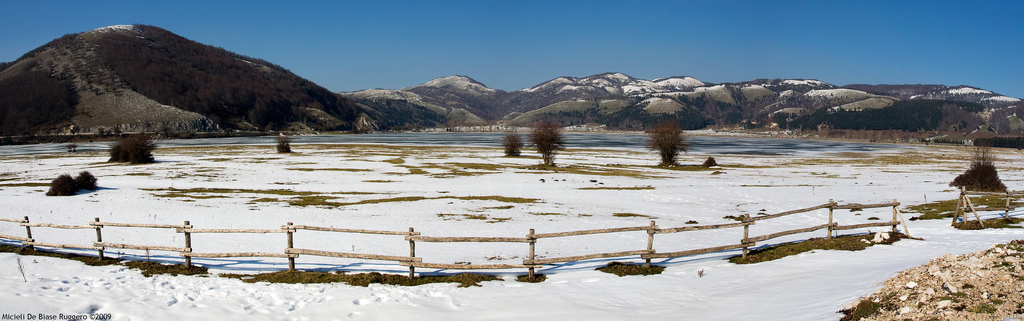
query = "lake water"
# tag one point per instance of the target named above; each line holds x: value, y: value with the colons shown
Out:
x: 698, y: 144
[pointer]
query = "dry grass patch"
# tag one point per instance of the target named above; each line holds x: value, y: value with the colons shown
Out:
x: 944, y: 209
x: 307, y: 169
x: 149, y: 269
x: 1011, y: 222
x: 320, y: 200
x: 537, y: 278
x: 205, y: 193
x: 624, y: 269
x: 633, y: 215
x: 843, y: 242
x: 25, y: 185
x: 88, y: 260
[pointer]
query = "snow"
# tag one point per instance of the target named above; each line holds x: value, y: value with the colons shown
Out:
x: 836, y: 93
x: 1002, y: 99
x: 799, y: 82
x: 116, y: 28
x: 677, y: 83
x: 612, y: 82
x: 460, y: 82
x: 967, y: 91
x: 809, y: 286
x: 712, y: 88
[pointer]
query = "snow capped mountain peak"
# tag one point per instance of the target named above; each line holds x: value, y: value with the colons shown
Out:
x: 967, y: 90
x: 458, y: 82
x: 679, y: 82
x: 116, y: 28
x: 617, y: 84
x: 799, y: 82
x: 612, y: 76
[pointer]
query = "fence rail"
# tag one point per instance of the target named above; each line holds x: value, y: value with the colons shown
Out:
x: 530, y: 261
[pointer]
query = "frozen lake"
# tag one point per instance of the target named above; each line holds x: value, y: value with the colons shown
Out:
x: 698, y: 144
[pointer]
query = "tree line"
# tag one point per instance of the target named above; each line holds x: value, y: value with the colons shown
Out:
x: 908, y: 115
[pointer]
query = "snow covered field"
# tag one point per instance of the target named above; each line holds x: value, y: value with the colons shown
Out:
x: 361, y: 186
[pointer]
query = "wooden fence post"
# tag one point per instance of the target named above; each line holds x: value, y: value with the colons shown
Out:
x: 99, y: 238
x: 895, y: 211
x: 188, y: 245
x: 533, y: 245
x: 830, y: 220
x: 291, y: 244
x: 650, y: 243
x: 1006, y: 214
x: 412, y: 254
x: 28, y: 231
x: 746, y: 234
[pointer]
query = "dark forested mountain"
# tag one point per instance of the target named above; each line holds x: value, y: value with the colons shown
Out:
x: 143, y: 78
x: 620, y: 101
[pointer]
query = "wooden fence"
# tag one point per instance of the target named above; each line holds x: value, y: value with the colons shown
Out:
x: 530, y: 262
x: 964, y: 204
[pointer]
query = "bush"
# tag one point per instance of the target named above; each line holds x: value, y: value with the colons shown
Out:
x: 667, y: 138
x: 86, y: 181
x: 135, y: 149
x: 513, y: 144
x: 284, y: 144
x: 64, y: 185
x: 547, y: 138
x: 982, y: 175
x: 710, y: 162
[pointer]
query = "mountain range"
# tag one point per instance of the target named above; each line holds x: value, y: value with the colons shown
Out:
x: 619, y: 101
x: 131, y: 78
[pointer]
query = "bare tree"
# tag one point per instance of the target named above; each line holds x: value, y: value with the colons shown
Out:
x: 667, y: 138
x: 547, y: 138
x: 284, y: 144
x: 513, y: 144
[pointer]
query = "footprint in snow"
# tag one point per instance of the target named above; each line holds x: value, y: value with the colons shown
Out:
x: 362, y: 301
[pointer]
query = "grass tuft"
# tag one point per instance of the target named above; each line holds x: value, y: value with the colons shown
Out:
x: 88, y: 260
x: 152, y: 268
x: 632, y: 215
x: 843, y: 242
x: 863, y: 309
x: 992, y: 223
x: 537, y: 278
x: 624, y: 269
x: 944, y: 209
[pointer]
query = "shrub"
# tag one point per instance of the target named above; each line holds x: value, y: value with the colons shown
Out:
x: 982, y: 175
x: 64, y: 185
x: 547, y: 138
x: 513, y: 144
x: 710, y: 162
x: 86, y: 181
x: 135, y: 149
x: 667, y: 138
x: 284, y: 144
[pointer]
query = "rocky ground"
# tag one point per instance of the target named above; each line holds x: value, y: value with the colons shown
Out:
x: 984, y: 285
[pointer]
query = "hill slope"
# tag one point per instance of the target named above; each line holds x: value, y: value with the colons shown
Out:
x: 143, y: 78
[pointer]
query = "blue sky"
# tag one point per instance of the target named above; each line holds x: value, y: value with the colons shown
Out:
x: 510, y: 45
